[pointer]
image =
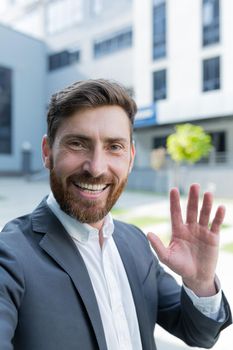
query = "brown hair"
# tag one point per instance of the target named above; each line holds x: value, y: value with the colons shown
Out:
x: 87, y: 94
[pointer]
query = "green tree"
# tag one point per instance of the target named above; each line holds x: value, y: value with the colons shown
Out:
x: 188, y: 144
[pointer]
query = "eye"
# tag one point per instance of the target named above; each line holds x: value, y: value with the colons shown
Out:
x: 116, y: 147
x: 76, y: 145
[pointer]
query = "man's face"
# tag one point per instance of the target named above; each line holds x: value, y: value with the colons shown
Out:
x: 90, y: 161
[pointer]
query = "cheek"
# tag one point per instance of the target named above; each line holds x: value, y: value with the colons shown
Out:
x: 121, y: 167
x: 66, y: 164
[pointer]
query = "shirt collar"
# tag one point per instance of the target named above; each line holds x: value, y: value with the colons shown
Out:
x: 77, y: 230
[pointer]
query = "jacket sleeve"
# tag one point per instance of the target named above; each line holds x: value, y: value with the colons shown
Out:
x: 178, y: 315
x: 11, y: 293
x: 168, y: 304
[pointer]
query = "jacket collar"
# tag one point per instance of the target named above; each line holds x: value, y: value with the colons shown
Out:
x: 81, y: 232
x: 57, y: 243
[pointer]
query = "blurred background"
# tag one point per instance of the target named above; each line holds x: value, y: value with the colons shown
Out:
x: 174, y: 57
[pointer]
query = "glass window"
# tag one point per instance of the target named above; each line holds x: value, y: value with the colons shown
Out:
x: 63, y: 59
x: 210, y: 22
x: 160, y: 85
x: 219, y: 154
x: 211, y: 74
x: 219, y: 141
x: 160, y: 142
x: 159, y: 29
x: 113, y: 44
x: 5, y: 110
x: 74, y: 56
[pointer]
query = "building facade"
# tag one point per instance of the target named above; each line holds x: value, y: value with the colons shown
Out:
x: 78, y: 39
x: 173, y: 56
x: 183, y: 69
x: 22, y: 99
x: 98, y: 44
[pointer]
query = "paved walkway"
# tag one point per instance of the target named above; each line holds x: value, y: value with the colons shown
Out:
x: 18, y: 196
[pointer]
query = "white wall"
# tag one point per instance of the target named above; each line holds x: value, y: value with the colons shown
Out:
x: 185, y: 99
x: 117, y: 65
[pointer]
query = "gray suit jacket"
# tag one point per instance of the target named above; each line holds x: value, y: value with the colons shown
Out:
x: 47, y: 300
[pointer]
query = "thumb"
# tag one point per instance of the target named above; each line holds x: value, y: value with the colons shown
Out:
x: 158, y: 246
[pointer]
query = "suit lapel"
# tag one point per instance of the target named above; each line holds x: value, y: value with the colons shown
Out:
x: 59, y: 245
x: 121, y: 241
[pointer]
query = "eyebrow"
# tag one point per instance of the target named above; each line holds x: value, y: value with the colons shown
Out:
x: 89, y: 139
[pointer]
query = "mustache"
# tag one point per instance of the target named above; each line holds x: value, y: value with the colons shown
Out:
x: 86, y: 177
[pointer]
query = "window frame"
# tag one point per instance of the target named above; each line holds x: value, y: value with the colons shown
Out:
x: 211, y: 31
x: 211, y: 83
x: 159, y: 43
x: 112, y: 44
x: 162, y: 91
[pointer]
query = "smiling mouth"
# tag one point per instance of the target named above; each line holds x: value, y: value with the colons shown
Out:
x: 89, y: 188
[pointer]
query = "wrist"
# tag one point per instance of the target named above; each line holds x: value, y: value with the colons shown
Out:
x: 201, y: 288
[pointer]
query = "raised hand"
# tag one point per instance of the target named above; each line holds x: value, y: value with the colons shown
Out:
x: 193, y: 250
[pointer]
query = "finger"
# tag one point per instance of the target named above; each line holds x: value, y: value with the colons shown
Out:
x: 192, y: 206
x: 158, y: 246
x: 206, y: 209
x: 176, y: 215
x: 218, y: 219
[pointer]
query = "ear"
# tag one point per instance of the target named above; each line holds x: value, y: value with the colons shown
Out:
x: 46, y: 152
x: 132, y: 156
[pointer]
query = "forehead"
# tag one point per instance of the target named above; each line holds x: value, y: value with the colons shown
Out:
x: 111, y: 121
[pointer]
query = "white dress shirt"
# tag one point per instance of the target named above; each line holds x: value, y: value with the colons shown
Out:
x: 108, y: 277
x: 110, y: 282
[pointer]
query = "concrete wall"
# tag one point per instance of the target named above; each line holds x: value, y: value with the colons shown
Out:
x: 146, y: 179
x: 26, y: 57
x: 217, y: 180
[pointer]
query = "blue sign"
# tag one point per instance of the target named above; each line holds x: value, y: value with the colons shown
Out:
x: 146, y: 116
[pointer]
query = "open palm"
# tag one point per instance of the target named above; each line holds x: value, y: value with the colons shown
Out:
x: 193, y: 250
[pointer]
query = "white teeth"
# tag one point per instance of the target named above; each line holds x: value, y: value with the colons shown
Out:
x: 91, y: 187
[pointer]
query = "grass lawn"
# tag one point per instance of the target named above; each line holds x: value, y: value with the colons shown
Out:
x: 144, y: 221
x: 118, y: 211
x: 140, y: 221
x: 225, y: 226
x: 228, y: 247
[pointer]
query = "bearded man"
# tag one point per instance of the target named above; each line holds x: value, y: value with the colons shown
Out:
x: 73, y: 278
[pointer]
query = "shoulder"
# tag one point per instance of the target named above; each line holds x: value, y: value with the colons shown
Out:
x: 17, y: 224
x: 129, y: 229
x: 134, y: 236
x: 20, y: 229
x: 13, y: 235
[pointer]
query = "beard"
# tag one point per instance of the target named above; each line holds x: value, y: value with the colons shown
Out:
x: 85, y: 210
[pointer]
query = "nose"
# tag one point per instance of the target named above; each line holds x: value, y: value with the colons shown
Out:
x: 96, y: 163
